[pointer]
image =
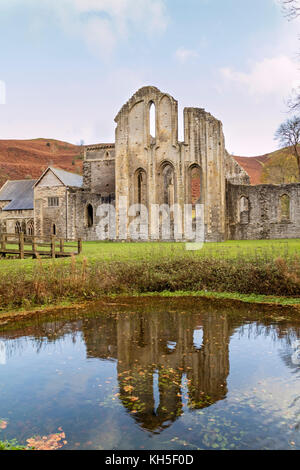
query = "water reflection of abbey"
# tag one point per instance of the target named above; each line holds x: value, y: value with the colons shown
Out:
x: 164, y: 358
x: 159, y: 350
x: 156, y: 354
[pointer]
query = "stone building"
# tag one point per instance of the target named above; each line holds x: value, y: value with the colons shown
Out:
x: 55, y: 203
x: 150, y: 167
x: 16, y: 207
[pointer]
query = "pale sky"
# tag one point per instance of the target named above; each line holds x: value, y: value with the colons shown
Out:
x: 69, y: 65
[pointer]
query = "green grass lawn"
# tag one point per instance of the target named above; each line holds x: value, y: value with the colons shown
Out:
x: 243, y: 270
x: 112, y: 251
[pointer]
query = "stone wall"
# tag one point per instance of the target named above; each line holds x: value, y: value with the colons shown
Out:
x: 82, y: 200
x: 9, y: 219
x: 263, y: 211
x: 167, y: 163
x: 235, y: 174
x: 99, y: 169
x: 46, y: 217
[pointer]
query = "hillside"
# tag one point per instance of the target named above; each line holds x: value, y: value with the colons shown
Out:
x: 253, y: 166
x: 20, y: 159
x: 277, y: 167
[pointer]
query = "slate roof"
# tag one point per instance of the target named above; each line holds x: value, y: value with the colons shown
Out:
x: 19, y: 193
x: 66, y: 177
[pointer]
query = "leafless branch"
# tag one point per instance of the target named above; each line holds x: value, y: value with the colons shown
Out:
x: 291, y: 8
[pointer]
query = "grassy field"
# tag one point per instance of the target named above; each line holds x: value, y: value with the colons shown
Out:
x: 247, y: 268
x: 96, y: 252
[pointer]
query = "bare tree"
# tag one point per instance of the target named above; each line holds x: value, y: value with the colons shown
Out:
x: 291, y: 8
x: 294, y: 101
x: 288, y: 135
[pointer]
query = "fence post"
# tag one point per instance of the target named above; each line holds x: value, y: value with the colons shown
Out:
x: 2, y: 241
x: 21, y: 245
x: 34, y: 245
x: 53, y: 246
x: 61, y: 245
x: 79, y: 245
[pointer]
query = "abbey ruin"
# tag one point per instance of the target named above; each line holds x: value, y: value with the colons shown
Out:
x: 154, y: 170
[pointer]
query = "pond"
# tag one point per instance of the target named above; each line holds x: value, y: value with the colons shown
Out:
x: 154, y: 373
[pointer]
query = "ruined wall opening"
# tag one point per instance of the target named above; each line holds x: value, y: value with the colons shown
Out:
x: 140, y: 187
x: 244, y: 210
x: 285, y: 208
x: 167, y: 197
x: 152, y: 120
x: 194, y: 187
x: 54, y: 229
x: 89, y: 215
x: 168, y: 184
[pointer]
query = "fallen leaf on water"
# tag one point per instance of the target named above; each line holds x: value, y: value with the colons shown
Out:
x: 51, y: 442
x: 3, y: 424
x: 134, y: 399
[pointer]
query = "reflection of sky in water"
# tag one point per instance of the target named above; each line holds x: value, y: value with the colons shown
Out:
x: 250, y: 399
x: 198, y: 338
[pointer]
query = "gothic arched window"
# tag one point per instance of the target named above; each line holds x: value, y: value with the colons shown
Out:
x: 18, y: 227
x: 152, y: 119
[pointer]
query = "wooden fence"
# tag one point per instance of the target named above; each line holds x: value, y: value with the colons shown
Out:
x: 35, y: 246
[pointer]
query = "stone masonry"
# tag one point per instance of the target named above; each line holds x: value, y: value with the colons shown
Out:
x: 152, y: 167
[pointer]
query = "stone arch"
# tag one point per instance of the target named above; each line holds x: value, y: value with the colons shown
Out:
x: 89, y: 215
x: 285, y: 208
x: 195, y: 189
x: 140, y: 187
x: 30, y: 227
x: 244, y: 210
x: 168, y: 185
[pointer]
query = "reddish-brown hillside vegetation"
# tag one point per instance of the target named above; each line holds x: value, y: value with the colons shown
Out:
x: 20, y: 159
x: 253, y: 166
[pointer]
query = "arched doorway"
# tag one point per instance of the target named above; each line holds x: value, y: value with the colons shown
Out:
x: 89, y: 215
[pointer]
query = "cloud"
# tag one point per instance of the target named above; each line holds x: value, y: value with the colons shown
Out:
x: 101, y: 24
x: 182, y: 54
x: 277, y: 75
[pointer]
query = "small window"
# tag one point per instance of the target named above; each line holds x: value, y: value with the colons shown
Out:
x: 285, y: 208
x: 244, y: 210
x: 53, y: 201
x: 18, y: 227
x: 30, y: 228
x: 53, y: 229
